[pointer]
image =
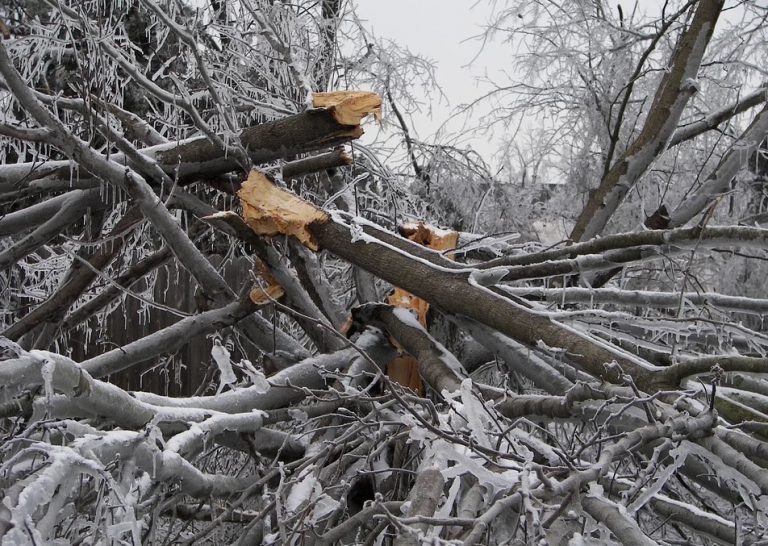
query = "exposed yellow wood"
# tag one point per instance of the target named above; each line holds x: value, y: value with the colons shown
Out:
x: 269, y: 210
x: 262, y: 296
x: 269, y: 293
x: 349, y: 107
x: 405, y: 369
x: 431, y: 237
x: 406, y: 300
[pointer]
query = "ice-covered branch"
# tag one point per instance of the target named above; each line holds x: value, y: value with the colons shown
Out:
x: 713, y: 119
x: 719, y: 180
x: 287, y: 386
x: 645, y: 298
x: 423, y: 500
x: 80, y: 277
x: 639, y: 241
x: 448, y: 289
x: 169, y: 339
x: 438, y: 367
x: 612, y: 516
x: 669, y: 102
x: 72, y: 208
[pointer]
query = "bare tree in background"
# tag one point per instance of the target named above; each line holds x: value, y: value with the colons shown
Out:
x: 315, y: 362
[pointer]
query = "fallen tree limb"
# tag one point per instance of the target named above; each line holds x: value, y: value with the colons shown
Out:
x: 714, y: 526
x: 47, y: 185
x: 287, y: 386
x: 437, y: 367
x: 270, y: 211
x: 70, y: 387
x: 169, y: 339
x: 517, y: 357
x: 197, y: 157
x: 214, y: 287
x: 60, y: 375
x: 424, y: 499
x: 668, y: 300
x: 33, y: 216
x: 316, y: 163
x: 314, y: 320
x: 72, y: 208
x: 708, y: 237
x: 444, y: 373
x: 615, y: 518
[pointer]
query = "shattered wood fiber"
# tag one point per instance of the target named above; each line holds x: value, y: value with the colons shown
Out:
x: 349, y: 107
x: 269, y: 210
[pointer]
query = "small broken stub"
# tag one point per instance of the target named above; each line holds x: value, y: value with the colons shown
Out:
x: 263, y: 296
x: 270, y: 292
x: 430, y: 236
x: 269, y: 210
x: 349, y: 107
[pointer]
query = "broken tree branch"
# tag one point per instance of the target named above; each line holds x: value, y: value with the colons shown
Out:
x: 674, y: 91
x: 453, y: 291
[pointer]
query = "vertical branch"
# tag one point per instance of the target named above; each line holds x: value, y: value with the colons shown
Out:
x: 674, y: 91
x: 330, y: 14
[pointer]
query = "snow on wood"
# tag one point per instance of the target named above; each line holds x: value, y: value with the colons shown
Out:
x: 404, y: 369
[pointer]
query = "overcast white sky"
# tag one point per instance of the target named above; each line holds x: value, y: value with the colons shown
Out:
x: 441, y: 30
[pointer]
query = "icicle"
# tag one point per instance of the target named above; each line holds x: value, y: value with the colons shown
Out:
x: 221, y: 357
x: 46, y: 372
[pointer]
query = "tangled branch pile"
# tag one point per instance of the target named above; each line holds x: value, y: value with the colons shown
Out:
x: 175, y: 162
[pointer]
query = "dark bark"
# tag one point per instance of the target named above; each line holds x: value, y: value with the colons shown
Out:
x: 668, y: 104
x: 434, y: 278
x: 79, y: 278
x: 169, y: 339
x: 287, y: 137
x: 452, y: 292
x: 331, y: 160
x: 198, y: 158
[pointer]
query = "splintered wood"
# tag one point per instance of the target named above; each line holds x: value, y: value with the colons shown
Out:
x: 273, y: 291
x: 269, y: 210
x: 430, y: 237
x: 349, y: 107
x: 405, y: 369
